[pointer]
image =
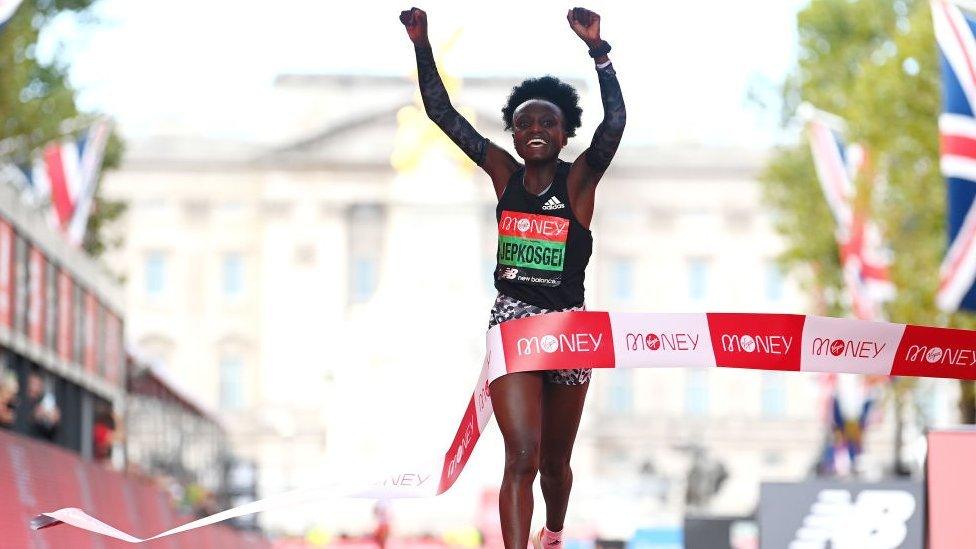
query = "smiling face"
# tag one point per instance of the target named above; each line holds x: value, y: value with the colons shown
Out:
x: 538, y: 128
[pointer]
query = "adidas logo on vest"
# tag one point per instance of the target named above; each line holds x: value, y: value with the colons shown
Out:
x: 553, y: 204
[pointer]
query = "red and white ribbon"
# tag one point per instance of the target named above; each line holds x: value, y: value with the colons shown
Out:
x: 636, y: 340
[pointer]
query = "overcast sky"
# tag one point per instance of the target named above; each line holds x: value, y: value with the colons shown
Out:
x: 685, y: 67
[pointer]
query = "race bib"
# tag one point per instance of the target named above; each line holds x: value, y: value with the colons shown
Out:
x: 531, y: 248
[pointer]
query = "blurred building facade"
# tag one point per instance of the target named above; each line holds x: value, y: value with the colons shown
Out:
x: 82, y: 422
x: 169, y: 433
x: 326, y: 288
x: 61, y: 329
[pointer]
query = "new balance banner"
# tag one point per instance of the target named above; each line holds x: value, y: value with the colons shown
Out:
x: 612, y: 340
x: 830, y: 513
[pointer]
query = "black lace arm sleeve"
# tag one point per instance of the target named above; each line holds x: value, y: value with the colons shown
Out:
x: 609, y: 132
x: 439, y: 108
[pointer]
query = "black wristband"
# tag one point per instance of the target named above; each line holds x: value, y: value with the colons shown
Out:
x: 601, y: 50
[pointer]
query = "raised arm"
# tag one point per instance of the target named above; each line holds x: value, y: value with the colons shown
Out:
x: 586, y: 24
x: 607, y: 136
x: 491, y: 158
x: 589, y: 167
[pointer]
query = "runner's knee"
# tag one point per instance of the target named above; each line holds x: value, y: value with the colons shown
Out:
x: 522, y: 460
x: 554, y: 468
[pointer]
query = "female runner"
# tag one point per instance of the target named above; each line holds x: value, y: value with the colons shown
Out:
x: 537, y: 272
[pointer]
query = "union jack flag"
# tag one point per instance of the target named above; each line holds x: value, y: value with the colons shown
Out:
x: 65, y: 175
x: 863, y: 257
x: 865, y: 263
x: 957, y: 128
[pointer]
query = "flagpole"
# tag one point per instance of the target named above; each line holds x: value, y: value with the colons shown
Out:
x: 807, y: 112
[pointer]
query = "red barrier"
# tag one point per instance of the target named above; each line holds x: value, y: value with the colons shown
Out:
x: 35, y: 476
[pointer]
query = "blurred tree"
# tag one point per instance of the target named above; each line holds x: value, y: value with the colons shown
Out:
x: 874, y: 63
x: 36, y: 100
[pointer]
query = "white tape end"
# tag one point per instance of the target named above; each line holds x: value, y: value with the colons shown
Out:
x: 43, y: 521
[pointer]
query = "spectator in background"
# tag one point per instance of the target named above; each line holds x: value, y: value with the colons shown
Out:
x: 8, y: 399
x: 201, y: 501
x: 41, y: 408
x: 104, y: 435
x: 381, y: 512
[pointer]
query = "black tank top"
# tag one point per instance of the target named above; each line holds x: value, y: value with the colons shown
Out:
x: 542, y: 248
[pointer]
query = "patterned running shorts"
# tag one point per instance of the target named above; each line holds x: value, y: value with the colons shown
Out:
x: 508, y: 308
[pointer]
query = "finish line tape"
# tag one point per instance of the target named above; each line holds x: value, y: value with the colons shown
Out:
x: 782, y: 342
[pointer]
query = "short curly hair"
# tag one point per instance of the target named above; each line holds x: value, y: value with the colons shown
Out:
x: 547, y: 88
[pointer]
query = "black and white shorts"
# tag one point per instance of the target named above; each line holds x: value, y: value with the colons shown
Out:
x: 508, y: 308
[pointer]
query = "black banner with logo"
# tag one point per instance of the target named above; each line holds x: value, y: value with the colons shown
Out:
x: 827, y: 513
